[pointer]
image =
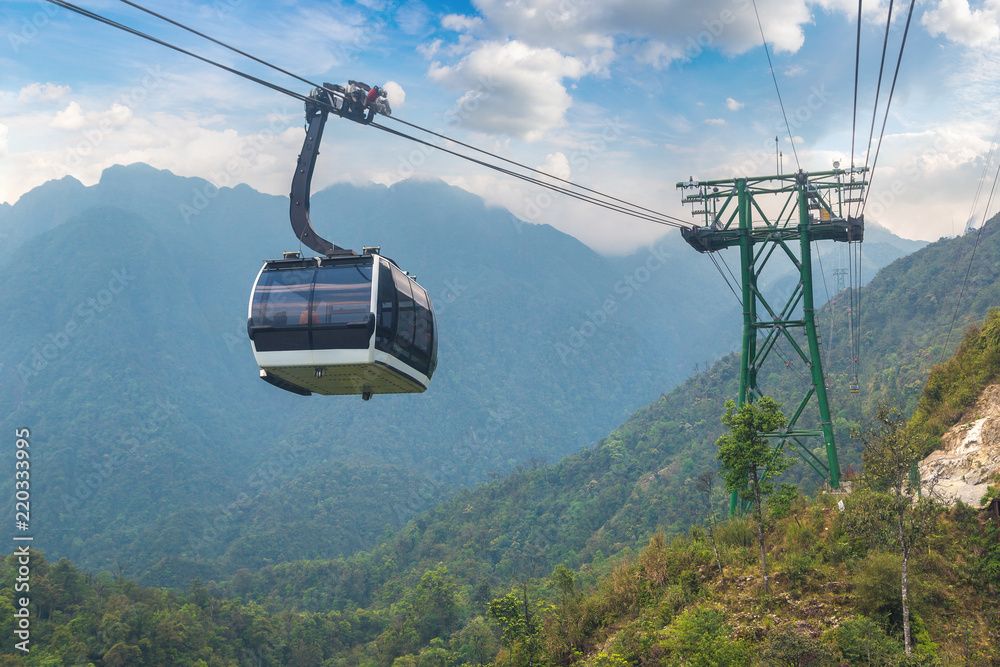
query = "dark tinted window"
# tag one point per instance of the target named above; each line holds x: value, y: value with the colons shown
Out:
x: 434, y: 350
x: 280, y: 306
x: 341, y: 307
x: 282, y: 298
x: 342, y: 295
x: 386, y: 310
x: 434, y: 340
x: 423, y: 329
x: 405, y: 317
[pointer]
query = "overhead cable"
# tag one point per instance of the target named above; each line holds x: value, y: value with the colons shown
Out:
x: 857, y: 64
x: 623, y: 206
x: 613, y: 207
x: 888, y: 103
x: 774, y: 78
x: 878, y: 90
x: 227, y: 46
x: 968, y: 272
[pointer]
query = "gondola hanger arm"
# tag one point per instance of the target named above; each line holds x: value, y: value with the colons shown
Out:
x: 356, y: 102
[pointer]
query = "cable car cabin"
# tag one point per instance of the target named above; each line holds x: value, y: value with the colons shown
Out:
x: 855, y: 389
x: 342, y: 325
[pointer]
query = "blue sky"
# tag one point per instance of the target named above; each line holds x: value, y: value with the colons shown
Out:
x: 626, y: 96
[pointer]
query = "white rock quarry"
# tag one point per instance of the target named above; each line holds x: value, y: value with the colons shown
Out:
x: 969, y: 457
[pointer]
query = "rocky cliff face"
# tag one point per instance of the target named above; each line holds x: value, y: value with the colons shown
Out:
x: 969, y: 457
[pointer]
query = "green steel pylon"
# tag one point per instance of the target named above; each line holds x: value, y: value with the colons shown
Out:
x: 765, y: 217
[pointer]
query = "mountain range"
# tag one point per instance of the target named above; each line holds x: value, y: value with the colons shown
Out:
x: 126, y: 355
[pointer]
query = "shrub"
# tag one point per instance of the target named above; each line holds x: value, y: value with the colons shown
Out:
x: 787, y: 646
x: 737, y: 532
x: 799, y: 568
x: 700, y: 638
x: 863, y: 642
x: 877, y: 586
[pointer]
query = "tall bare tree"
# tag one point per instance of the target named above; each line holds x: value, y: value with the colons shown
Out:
x: 705, y: 485
x: 890, y: 456
x: 749, y: 462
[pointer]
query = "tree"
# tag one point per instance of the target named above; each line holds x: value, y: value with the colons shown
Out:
x: 749, y: 463
x: 705, y: 484
x: 521, y: 627
x: 435, y: 605
x: 891, y: 452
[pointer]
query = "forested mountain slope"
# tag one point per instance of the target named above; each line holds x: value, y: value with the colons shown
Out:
x: 638, y: 480
x: 126, y: 355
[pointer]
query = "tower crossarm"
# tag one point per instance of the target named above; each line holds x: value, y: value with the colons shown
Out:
x: 826, y: 193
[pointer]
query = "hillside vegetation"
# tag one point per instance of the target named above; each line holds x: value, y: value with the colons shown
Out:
x: 955, y: 385
x: 834, y: 601
x: 601, y: 559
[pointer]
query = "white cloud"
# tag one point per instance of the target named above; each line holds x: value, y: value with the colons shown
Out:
x: 413, y: 17
x: 795, y: 70
x: 428, y: 51
x: 733, y: 105
x: 42, y: 92
x: 931, y: 179
x: 510, y: 88
x: 715, y: 121
x: 958, y: 22
x: 460, y: 23
x: 658, y: 54
x: 395, y: 93
x: 652, y: 31
x: 556, y: 164
x: 70, y: 118
x: 4, y: 145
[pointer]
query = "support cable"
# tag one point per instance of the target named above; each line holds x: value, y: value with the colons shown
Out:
x: 114, y: 24
x: 626, y: 207
x: 231, y: 48
x: 878, y: 91
x: 398, y: 120
x: 857, y: 63
x: 532, y: 169
x: 972, y: 257
x: 774, y: 78
x: 612, y: 207
x: 888, y: 104
x: 724, y: 277
x: 972, y: 213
